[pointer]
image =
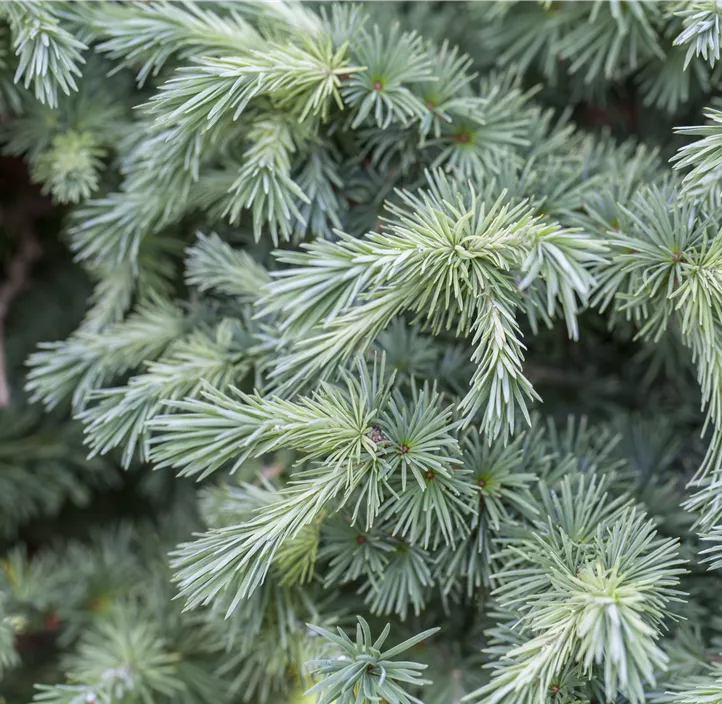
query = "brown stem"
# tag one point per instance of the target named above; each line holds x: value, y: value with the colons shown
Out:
x: 17, y: 272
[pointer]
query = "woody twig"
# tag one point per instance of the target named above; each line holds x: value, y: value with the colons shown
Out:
x: 17, y: 273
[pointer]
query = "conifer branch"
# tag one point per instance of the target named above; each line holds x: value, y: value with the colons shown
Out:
x: 151, y: 34
x: 701, y: 22
x: 213, y: 264
x: 49, y: 56
x: 72, y: 368
x: 370, y: 671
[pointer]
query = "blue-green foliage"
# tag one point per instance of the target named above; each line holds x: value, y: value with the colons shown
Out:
x: 400, y: 320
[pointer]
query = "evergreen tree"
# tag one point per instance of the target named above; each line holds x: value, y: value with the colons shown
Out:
x: 361, y: 353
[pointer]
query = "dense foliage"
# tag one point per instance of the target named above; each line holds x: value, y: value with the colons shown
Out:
x: 373, y: 353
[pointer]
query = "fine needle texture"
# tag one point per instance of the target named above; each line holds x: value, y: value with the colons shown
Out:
x: 360, y: 353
